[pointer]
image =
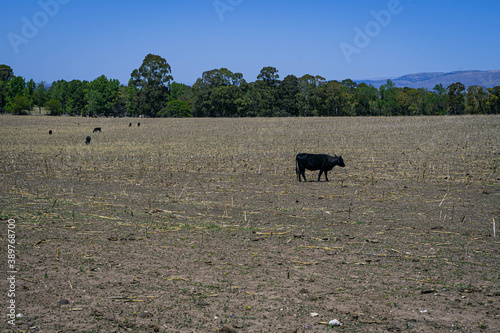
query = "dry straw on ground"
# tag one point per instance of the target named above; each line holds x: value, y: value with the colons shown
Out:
x: 199, y: 225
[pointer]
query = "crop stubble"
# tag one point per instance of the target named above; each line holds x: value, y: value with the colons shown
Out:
x: 191, y: 225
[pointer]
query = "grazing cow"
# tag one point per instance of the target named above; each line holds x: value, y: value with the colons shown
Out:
x: 138, y: 124
x: 50, y: 132
x: 97, y: 129
x: 129, y: 124
x: 87, y: 141
x: 321, y: 162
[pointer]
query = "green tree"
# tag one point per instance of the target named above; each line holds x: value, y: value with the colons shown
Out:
x: 289, y: 96
x: 181, y: 92
x: 101, y: 95
x: 76, y: 97
x: 350, y: 85
x: 176, y: 108
x: 339, y: 99
x: 266, y: 92
x: 366, y: 96
x: 54, y: 106
x: 229, y: 101
x: 15, y: 87
x: 439, y: 99
x: 408, y: 102
x: 151, y: 80
x: 119, y: 105
x: 309, y: 98
x: 477, y: 100
x: 6, y: 74
x: 20, y: 105
x: 211, y: 99
x: 334, y: 102
x: 30, y: 91
x: 59, y: 91
x: 131, y: 99
x: 494, y: 101
x: 456, y: 98
x: 269, y: 76
x: 40, y: 97
x: 177, y: 90
x: 425, y: 101
x: 388, y: 105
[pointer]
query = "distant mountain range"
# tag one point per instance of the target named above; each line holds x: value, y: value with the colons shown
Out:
x: 485, y: 79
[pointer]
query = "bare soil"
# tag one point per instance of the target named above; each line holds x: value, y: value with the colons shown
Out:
x: 200, y: 225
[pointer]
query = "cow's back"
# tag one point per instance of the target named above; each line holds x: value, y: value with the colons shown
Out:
x: 311, y: 161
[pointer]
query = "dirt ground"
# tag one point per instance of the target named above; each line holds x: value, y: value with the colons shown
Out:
x: 200, y: 225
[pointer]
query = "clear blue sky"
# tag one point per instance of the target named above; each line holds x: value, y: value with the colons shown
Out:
x: 337, y: 39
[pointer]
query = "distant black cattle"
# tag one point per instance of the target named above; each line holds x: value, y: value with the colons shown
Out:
x: 138, y: 124
x: 97, y: 129
x: 321, y: 162
x: 129, y: 124
x: 87, y: 141
x: 50, y: 132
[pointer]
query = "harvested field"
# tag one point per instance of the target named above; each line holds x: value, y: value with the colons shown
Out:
x: 200, y: 225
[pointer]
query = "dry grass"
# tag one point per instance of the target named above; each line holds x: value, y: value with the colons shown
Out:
x: 189, y: 225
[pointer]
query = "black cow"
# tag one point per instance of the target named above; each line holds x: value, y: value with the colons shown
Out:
x: 138, y: 124
x: 129, y: 124
x: 87, y: 141
x: 321, y: 162
x: 50, y: 132
x: 97, y: 129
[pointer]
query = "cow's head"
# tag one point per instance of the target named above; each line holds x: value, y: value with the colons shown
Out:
x: 341, y: 161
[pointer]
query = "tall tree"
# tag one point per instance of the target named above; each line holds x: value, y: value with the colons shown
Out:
x: 269, y: 76
x: 15, y: 87
x: 456, y: 98
x: 54, y: 106
x: 440, y: 99
x: 30, y: 91
x: 309, y: 96
x: 151, y: 79
x: 176, y: 108
x: 366, y: 96
x: 212, y: 99
x: 59, y: 91
x: 289, y: 96
x: 40, y: 96
x: 6, y: 74
x: 388, y: 105
x: 101, y: 95
x: 494, y: 101
x: 266, y: 92
x: 132, y: 99
x: 20, y: 105
x: 477, y: 100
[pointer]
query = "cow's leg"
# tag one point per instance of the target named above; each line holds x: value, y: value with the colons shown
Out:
x: 319, y: 176
x: 303, y: 173
x: 326, y: 175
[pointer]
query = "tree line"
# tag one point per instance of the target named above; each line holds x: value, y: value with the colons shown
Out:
x: 152, y: 92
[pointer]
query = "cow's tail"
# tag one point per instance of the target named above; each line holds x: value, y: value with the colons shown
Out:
x: 297, y: 168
